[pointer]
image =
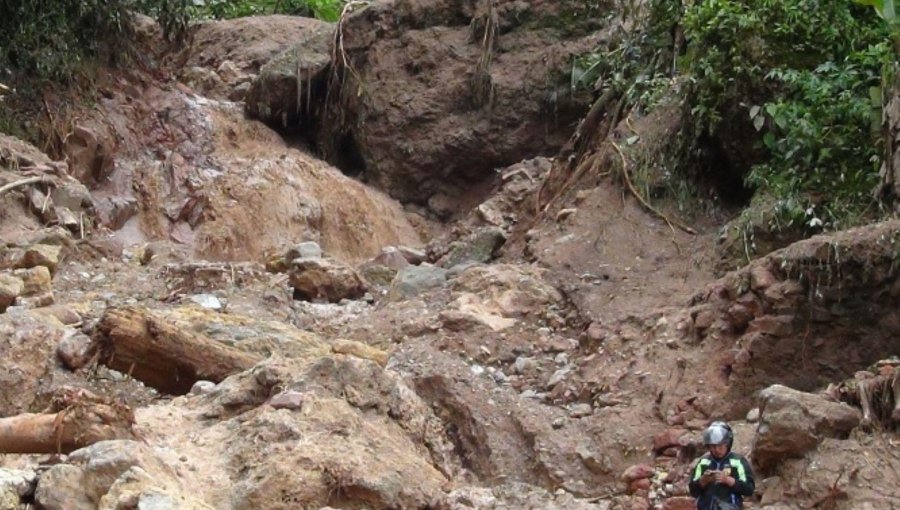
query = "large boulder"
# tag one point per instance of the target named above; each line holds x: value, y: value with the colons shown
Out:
x: 793, y: 422
x: 315, y: 279
x: 227, y: 54
x: 435, y: 92
x: 284, y: 86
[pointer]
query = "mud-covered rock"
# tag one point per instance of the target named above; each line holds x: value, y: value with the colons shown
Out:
x: 793, y: 423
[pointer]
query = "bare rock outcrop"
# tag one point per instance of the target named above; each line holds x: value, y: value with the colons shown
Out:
x: 432, y: 95
x: 803, y: 316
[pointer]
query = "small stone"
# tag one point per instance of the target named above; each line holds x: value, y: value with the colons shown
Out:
x: 308, y: 249
x: 523, y: 365
x: 288, y: 400
x: 207, y: 301
x: 202, y: 388
x: 753, y: 415
x: 558, y: 422
x: 75, y: 351
x: 580, y: 410
x: 558, y: 377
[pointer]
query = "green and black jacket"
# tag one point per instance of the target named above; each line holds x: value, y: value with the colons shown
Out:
x: 740, y: 471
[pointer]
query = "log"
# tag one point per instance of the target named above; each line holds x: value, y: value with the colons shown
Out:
x: 159, y: 353
x: 84, y: 420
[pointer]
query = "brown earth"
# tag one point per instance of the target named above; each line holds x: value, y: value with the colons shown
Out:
x: 572, y: 367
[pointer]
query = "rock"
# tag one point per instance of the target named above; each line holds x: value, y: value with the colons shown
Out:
x: 558, y: 376
x: 288, y: 400
x: 760, y: 278
x: 10, y: 288
x: 202, y: 388
x: 636, y: 472
x: 90, y: 157
x: 378, y: 275
x: 641, y: 484
x: 580, y: 410
x: 392, y: 258
x: 283, y: 89
x: 114, y: 212
x: 479, y: 246
x: 15, y: 484
x: 36, y: 281
x: 412, y: 255
x: 304, y: 250
x: 75, y: 350
x: 753, y: 415
x: 668, y: 438
x: 113, y: 474
x: 62, y: 488
x: 46, y: 255
x: 793, y: 422
x: 208, y: 301
x: 321, y: 279
x: 419, y: 114
x: 775, y: 325
x: 360, y: 350
x: 413, y: 280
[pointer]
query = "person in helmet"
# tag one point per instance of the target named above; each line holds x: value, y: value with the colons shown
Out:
x: 721, y: 479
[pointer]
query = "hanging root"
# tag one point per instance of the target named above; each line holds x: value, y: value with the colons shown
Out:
x: 482, y: 83
x: 643, y: 202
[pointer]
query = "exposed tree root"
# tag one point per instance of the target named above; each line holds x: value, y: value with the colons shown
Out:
x: 643, y: 202
x: 23, y: 182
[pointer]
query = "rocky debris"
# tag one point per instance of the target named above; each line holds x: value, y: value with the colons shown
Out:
x: 201, y: 276
x: 360, y: 350
x: 412, y: 255
x: 52, y: 196
x: 414, y: 280
x: 479, y: 247
x: 511, y: 291
x: 28, y: 344
x: 282, y: 94
x: 418, y: 72
x: 513, y: 495
x: 110, y: 475
x: 793, y: 422
x: 10, y: 289
x: 315, y: 279
x: 15, y: 484
x: 28, y: 257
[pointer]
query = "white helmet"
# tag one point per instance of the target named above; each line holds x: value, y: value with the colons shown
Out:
x: 718, y: 433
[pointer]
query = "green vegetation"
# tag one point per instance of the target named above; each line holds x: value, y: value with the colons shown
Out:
x: 328, y: 10
x: 796, y: 84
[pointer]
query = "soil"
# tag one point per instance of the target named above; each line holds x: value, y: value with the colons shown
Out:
x: 600, y: 337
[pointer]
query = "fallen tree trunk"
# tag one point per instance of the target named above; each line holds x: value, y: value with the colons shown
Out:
x: 84, y: 420
x: 140, y: 343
